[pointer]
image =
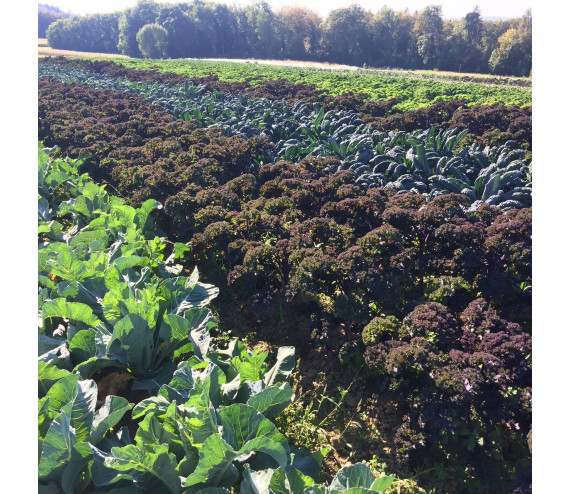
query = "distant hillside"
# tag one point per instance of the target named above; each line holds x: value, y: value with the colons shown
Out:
x: 46, y: 15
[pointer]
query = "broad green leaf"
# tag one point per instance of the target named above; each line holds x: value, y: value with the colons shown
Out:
x: 68, y: 266
x: 151, y: 433
x: 75, y: 477
x: 283, y: 367
x: 214, y: 467
x: 274, y: 454
x: 74, y: 311
x: 56, y: 178
x: 230, y: 389
x: 273, y: 400
x: 249, y: 389
x: 130, y: 261
x: 156, y: 379
x: 202, y: 322
x: 43, y: 212
x: 82, y: 346
x: 174, y: 330
x: 57, y: 448
x: 123, y: 300
x: 78, y: 400
x: 87, y: 237
x: 90, y: 366
x: 201, y: 420
x: 154, y: 403
x: 309, y: 463
x: 132, y: 335
x: 255, y: 482
x: 45, y: 417
x: 246, y: 430
x: 48, y: 375
x: 142, y: 213
x: 358, y: 475
x: 47, y: 344
x: 382, y: 483
x: 152, y: 472
x: 108, y: 416
x: 292, y: 482
x: 252, y: 367
x: 58, y: 356
x: 89, y: 292
x: 224, y: 358
x: 124, y: 215
x: 43, y: 153
x: 213, y: 379
x: 184, y: 293
x: 182, y: 383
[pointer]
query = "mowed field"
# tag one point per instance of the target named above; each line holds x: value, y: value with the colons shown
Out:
x: 46, y: 51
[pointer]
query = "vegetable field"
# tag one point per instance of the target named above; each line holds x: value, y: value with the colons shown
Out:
x: 255, y: 279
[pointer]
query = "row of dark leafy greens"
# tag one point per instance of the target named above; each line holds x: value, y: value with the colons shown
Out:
x: 114, y: 309
x: 488, y: 124
x: 424, y: 162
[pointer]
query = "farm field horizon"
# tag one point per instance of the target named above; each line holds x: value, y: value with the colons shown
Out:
x: 344, y: 255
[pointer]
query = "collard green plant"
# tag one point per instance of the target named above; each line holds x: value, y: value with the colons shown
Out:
x: 108, y: 295
x: 69, y: 424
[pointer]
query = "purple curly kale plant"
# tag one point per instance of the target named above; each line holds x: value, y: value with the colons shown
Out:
x: 463, y: 387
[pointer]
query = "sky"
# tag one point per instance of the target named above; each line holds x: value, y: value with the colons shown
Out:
x: 451, y: 9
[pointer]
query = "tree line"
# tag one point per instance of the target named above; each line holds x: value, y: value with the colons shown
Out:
x: 351, y: 35
x: 47, y: 15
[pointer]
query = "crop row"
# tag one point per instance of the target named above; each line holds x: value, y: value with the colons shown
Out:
x: 118, y: 320
x: 414, y: 92
x: 422, y: 162
x: 487, y: 124
x: 363, y: 272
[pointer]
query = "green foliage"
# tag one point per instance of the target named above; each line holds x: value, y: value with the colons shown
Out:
x: 448, y: 290
x: 347, y: 35
x: 375, y: 85
x: 380, y: 328
x: 92, y: 33
x: 47, y: 15
x: 152, y: 40
x: 512, y: 56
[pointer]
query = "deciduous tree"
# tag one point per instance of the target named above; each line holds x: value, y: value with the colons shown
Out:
x: 429, y: 32
x: 345, y: 35
x: 514, y: 53
x: 298, y: 32
x: 153, y: 41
